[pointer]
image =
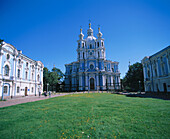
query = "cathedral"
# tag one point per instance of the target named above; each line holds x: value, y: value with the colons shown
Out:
x: 91, y: 71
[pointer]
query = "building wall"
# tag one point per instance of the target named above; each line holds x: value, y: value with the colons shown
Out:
x: 31, y: 73
x: 157, y: 71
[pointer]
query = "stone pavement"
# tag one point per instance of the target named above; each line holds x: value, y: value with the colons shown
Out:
x: 25, y: 99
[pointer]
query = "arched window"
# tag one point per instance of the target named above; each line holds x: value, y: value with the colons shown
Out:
x: 90, y: 46
x: 98, y: 44
x: 6, y: 70
x: 18, y: 89
x: 83, y: 55
x: 26, y: 75
x: 18, y: 74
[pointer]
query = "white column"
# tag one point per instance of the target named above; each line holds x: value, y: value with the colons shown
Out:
x: 1, y: 62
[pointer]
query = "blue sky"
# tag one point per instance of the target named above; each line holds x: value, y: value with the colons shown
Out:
x: 47, y: 30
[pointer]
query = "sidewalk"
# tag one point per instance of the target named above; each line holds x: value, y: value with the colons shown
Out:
x: 25, y: 99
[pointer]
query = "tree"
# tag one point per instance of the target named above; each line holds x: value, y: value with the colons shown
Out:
x: 53, y: 78
x: 133, y: 78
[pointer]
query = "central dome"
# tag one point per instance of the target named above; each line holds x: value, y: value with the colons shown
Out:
x: 90, y: 39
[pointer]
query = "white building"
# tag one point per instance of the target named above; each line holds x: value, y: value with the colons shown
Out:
x: 91, y: 71
x: 19, y: 74
x: 156, y: 70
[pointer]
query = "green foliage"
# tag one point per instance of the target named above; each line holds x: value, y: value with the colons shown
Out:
x: 132, y: 78
x: 53, y: 78
x: 82, y: 115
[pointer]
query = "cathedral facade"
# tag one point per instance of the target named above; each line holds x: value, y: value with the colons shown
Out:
x: 91, y: 71
x: 19, y: 74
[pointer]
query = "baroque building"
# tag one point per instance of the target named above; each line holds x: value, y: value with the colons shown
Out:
x: 156, y: 70
x: 19, y: 74
x: 91, y: 71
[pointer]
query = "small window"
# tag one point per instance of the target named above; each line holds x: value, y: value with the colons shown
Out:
x: 32, y: 90
x: 8, y: 56
x: 18, y: 89
x: 38, y: 78
x: 18, y: 75
x: 27, y: 64
x: 7, y: 70
x: 5, y: 89
x: 91, y: 53
x: 83, y: 55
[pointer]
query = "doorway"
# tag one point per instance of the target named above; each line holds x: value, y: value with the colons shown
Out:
x: 91, y: 84
x: 165, y: 88
x: 26, y: 89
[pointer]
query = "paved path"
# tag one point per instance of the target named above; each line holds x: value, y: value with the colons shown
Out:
x: 26, y: 99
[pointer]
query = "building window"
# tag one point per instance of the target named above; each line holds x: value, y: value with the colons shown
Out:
x: 5, y: 89
x: 18, y: 89
x: 98, y: 54
x: 91, y: 66
x: 8, y: 56
x: 83, y: 55
x: 27, y: 64
x: 32, y: 66
x: 90, y: 46
x: 91, y: 53
x: 6, y: 70
x: 32, y: 90
x: 83, y: 45
x: 32, y: 76
x: 79, y: 45
x: 26, y: 75
x: 112, y: 69
x: 19, y: 61
x: 38, y: 78
x: 102, y: 43
x: 98, y: 44
x: 18, y: 75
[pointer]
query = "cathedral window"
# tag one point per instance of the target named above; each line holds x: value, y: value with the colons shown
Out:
x: 91, y: 66
x: 8, y: 56
x: 32, y: 76
x: 83, y: 55
x: 98, y: 54
x: 98, y: 44
x: 6, y: 70
x: 18, y: 75
x: 27, y: 64
x: 112, y: 69
x: 83, y: 45
x: 90, y: 46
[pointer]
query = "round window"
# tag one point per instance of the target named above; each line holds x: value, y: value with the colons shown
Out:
x: 8, y: 56
x: 91, y: 66
x: 91, y: 53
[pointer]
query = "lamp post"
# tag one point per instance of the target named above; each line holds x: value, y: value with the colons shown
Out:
x: 139, y: 87
x: 47, y: 87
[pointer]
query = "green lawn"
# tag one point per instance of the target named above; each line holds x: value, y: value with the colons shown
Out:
x: 87, y: 116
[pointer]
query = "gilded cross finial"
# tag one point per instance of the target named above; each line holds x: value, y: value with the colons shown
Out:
x: 89, y: 23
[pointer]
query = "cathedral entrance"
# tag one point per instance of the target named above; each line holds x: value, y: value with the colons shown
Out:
x: 91, y: 84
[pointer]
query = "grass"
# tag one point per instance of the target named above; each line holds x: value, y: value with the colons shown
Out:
x: 87, y: 116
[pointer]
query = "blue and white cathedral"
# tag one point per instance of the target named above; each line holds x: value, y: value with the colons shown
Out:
x: 91, y: 71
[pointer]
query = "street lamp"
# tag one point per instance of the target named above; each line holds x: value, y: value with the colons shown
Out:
x: 139, y: 87
x: 47, y: 87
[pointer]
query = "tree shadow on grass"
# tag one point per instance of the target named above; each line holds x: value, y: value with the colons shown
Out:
x: 162, y: 95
